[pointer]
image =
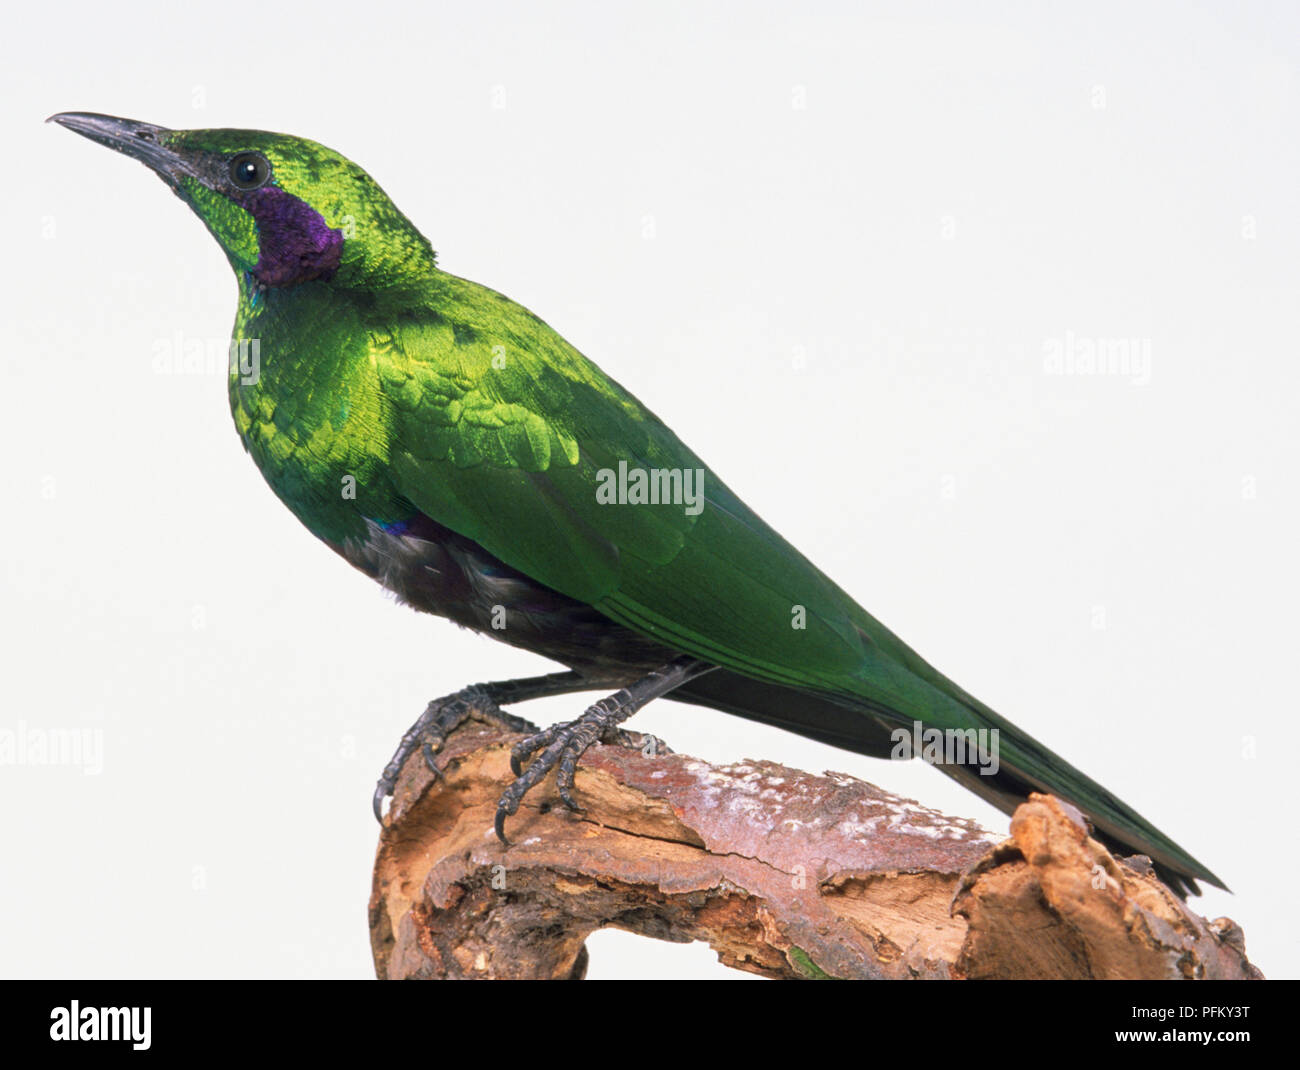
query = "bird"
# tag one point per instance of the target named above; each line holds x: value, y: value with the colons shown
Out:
x: 451, y: 445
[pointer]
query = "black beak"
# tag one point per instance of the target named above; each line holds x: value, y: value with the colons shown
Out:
x: 140, y: 141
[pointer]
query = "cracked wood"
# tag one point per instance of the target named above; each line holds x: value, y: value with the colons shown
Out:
x: 783, y: 873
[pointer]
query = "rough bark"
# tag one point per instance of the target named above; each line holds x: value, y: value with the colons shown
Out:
x: 783, y: 873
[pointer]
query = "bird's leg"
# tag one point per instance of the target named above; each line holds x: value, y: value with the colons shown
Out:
x: 562, y: 745
x: 480, y: 702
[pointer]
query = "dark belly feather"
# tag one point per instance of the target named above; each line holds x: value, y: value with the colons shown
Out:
x: 435, y: 570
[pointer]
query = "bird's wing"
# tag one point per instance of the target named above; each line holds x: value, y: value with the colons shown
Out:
x: 501, y: 431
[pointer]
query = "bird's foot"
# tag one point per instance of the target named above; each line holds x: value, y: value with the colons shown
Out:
x: 440, y: 718
x: 562, y: 745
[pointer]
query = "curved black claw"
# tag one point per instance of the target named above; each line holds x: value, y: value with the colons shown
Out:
x: 440, y: 718
x: 430, y: 755
x: 382, y: 791
x: 526, y: 748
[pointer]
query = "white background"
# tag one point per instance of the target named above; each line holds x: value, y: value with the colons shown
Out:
x: 830, y: 247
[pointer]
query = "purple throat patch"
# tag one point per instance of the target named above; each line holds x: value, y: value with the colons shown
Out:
x: 295, y: 243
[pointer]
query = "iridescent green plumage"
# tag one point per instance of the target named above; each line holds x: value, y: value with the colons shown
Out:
x: 449, y: 442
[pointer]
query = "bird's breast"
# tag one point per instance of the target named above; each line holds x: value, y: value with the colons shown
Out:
x: 312, y: 418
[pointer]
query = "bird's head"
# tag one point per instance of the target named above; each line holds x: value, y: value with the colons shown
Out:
x: 285, y: 210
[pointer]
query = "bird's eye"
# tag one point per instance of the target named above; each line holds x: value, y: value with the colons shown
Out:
x: 249, y: 170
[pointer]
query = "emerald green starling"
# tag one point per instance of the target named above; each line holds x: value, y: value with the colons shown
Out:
x: 452, y: 446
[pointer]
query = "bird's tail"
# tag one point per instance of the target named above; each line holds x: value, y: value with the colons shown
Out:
x: 1022, y: 765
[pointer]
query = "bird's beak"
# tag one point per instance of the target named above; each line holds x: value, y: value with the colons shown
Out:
x: 140, y: 141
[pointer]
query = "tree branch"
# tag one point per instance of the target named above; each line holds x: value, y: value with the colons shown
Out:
x: 783, y: 873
